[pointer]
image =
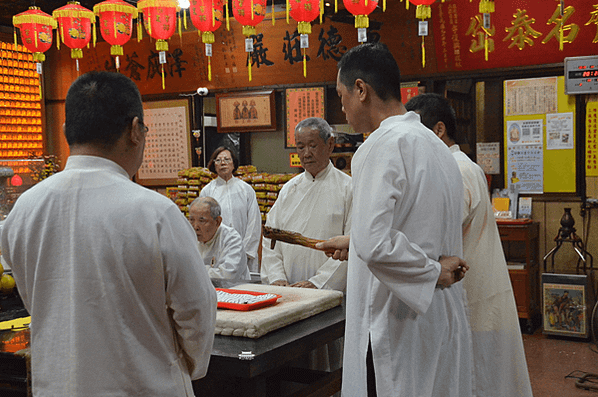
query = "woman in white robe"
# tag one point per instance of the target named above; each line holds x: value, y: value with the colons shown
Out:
x: 238, y: 202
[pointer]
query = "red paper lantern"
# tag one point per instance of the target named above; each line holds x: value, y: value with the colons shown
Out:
x: 304, y: 11
x: 423, y: 10
x: 206, y: 16
x: 75, y: 27
x: 159, y: 17
x: 361, y: 9
x: 116, y: 23
x: 249, y: 13
x: 35, y: 27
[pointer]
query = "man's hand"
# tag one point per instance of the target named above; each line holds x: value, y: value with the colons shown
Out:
x: 281, y: 283
x: 304, y: 284
x: 453, y: 269
x: 340, y: 245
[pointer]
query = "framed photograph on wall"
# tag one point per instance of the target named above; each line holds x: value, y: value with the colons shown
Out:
x: 301, y: 103
x: 246, y: 111
x: 167, y: 143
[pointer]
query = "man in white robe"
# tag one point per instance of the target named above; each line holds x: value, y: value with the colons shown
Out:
x: 499, y: 358
x: 406, y: 331
x: 107, y: 268
x: 317, y: 204
x: 220, y: 245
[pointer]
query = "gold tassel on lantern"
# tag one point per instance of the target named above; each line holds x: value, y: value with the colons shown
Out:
x: 163, y: 82
x: 139, y: 29
x: 288, y: 9
x: 227, y: 18
x: 209, y: 68
x: 486, y: 6
x: 423, y: 12
x: 249, y: 66
x: 95, y: 34
x: 362, y: 21
x: 322, y: 11
x: 161, y: 45
x: 304, y: 64
x: 423, y: 52
x: 272, y: 12
x: 15, y: 34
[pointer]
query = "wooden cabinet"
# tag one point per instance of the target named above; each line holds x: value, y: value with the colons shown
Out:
x: 520, y: 244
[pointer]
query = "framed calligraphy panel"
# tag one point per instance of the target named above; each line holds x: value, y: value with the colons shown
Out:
x: 167, y: 143
x: 302, y: 103
x: 247, y: 111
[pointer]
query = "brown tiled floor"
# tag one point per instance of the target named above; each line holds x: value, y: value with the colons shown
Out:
x: 551, y: 358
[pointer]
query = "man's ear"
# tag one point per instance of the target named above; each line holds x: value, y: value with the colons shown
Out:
x: 136, y: 131
x: 440, y: 129
x: 219, y: 220
x: 362, y: 89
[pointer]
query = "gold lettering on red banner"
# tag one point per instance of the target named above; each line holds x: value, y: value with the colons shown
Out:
x: 594, y: 20
x: 521, y: 33
x: 478, y: 32
x: 572, y: 29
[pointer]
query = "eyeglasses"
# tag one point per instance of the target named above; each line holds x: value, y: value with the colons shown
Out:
x: 223, y: 161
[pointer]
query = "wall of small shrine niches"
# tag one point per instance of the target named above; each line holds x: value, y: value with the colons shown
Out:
x: 20, y: 108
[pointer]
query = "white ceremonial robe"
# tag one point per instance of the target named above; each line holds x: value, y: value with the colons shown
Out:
x: 499, y: 358
x: 318, y: 208
x: 239, y: 210
x: 224, y: 256
x: 407, y: 213
x: 108, y: 271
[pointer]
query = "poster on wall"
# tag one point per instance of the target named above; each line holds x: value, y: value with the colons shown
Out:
x: 524, y: 132
x: 525, y: 169
x: 246, y: 111
x: 488, y: 157
x: 302, y: 103
x: 531, y: 96
x: 166, y: 143
x: 559, y: 131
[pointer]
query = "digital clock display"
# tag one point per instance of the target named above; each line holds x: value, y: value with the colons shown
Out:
x: 582, y: 74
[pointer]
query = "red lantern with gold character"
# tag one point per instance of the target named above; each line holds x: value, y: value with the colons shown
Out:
x: 304, y: 11
x: 75, y: 27
x: 206, y: 16
x: 35, y: 27
x: 116, y: 23
x: 361, y: 9
x: 249, y: 13
x: 159, y: 18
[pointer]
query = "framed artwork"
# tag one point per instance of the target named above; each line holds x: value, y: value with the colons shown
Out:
x: 247, y: 111
x: 300, y: 104
x: 565, y: 302
x: 167, y: 143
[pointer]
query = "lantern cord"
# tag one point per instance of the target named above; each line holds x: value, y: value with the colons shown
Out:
x: 335, y: 6
x: 561, y: 36
x: 185, y: 19
x: 180, y: 32
x: 321, y: 11
x: 383, y: 5
x: 288, y: 8
x: 304, y: 64
x: 209, y: 69
x: 95, y: 34
x: 272, y: 12
x: 249, y: 66
x: 15, y: 34
x: 59, y: 33
x: 139, y: 29
x: 406, y: 4
x: 423, y: 52
x: 163, y: 83
x: 227, y: 17
x: 486, y: 46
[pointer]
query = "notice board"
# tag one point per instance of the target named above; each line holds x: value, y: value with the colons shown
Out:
x: 539, y: 136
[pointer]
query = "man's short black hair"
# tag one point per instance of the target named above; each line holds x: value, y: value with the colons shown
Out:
x: 374, y: 64
x: 99, y: 107
x: 432, y: 109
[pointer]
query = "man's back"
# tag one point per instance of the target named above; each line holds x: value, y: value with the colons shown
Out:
x: 105, y: 267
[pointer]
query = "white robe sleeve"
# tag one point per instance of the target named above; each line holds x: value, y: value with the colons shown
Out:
x: 232, y: 261
x: 253, y: 232
x: 402, y: 266
x: 191, y: 297
x: 272, y: 268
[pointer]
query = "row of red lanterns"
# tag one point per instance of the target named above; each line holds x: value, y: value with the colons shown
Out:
x: 76, y: 24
